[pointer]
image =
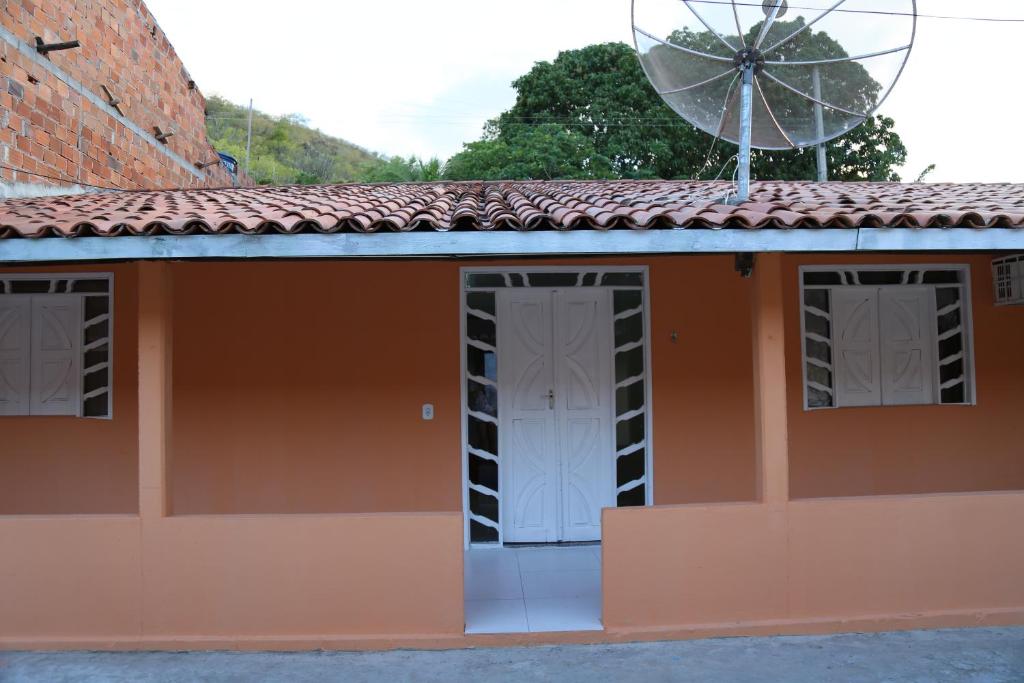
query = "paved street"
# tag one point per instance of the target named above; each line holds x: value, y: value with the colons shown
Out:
x: 992, y: 655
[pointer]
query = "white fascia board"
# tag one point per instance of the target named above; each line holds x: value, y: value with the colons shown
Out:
x: 490, y: 244
x: 940, y: 239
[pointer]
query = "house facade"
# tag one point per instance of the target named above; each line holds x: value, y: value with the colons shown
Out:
x: 325, y: 417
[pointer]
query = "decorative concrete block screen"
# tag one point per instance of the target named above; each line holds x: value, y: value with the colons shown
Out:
x: 483, y: 457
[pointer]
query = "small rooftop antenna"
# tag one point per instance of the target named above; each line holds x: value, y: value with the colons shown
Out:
x: 754, y: 74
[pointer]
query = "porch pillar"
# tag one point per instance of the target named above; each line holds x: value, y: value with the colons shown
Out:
x: 154, y: 332
x: 771, y: 431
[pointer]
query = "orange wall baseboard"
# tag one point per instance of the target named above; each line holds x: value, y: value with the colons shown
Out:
x: 789, y: 627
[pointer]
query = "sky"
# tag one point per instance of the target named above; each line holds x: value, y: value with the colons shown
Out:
x: 404, y: 77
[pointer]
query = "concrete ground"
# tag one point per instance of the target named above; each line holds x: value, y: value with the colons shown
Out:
x: 982, y: 655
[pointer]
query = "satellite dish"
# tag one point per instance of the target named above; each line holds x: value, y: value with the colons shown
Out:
x: 763, y: 73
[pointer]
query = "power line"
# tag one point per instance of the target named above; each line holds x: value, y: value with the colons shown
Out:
x: 870, y: 11
x: 646, y: 122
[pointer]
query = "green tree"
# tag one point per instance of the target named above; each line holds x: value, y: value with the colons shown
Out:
x: 600, y: 93
x: 871, y: 151
x: 544, y: 151
x: 401, y: 170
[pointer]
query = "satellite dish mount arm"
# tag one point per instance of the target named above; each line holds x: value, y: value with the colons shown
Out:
x: 746, y: 117
x: 749, y: 62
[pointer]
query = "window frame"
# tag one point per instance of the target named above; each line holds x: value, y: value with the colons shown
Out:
x: 963, y: 271
x: 7, y: 278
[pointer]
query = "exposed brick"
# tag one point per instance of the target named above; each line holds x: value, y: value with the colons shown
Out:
x: 44, y: 114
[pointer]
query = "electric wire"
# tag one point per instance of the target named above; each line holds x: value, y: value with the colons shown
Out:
x: 738, y: 3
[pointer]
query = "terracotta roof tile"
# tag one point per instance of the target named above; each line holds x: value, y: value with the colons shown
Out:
x: 512, y: 205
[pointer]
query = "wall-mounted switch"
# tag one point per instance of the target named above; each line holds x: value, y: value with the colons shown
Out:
x: 428, y: 411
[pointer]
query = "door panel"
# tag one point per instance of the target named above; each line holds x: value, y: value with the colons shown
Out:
x: 15, y: 338
x: 858, y: 371
x: 56, y: 354
x: 583, y: 410
x: 532, y: 485
x: 906, y: 316
x: 529, y: 458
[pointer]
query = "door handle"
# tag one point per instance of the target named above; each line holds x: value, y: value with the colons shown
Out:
x: 551, y: 398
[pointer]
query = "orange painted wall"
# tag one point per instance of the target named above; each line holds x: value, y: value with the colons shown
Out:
x: 814, y: 565
x: 123, y: 581
x: 263, y: 424
x: 328, y: 580
x: 301, y: 575
x: 703, y: 390
x: 70, y: 577
x: 298, y: 386
x: 914, y: 449
x: 68, y: 465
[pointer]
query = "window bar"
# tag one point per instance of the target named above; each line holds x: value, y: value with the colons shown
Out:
x: 480, y: 488
x: 640, y: 481
x: 480, y: 453
x: 483, y: 417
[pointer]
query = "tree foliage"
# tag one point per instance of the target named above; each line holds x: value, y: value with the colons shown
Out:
x: 401, y: 170
x: 284, y: 149
x: 545, y: 151
x: 599, y: 98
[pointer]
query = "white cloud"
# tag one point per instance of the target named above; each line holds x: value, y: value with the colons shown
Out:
x: 404, y: 77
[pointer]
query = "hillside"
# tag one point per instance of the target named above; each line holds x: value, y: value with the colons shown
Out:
x: 284, y: 149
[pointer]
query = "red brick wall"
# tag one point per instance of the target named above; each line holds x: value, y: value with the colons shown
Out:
x: 48, y: 127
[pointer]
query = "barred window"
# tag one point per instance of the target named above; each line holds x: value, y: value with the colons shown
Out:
x: 886, y: 336
x: 55, y: 345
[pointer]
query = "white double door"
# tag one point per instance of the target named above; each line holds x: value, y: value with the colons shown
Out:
x: 555, y: 406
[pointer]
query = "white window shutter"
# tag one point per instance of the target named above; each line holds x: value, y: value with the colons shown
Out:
x: 56, y: 355
x: 907, y: 318
x: 15, y: 339
x: 856, y: 347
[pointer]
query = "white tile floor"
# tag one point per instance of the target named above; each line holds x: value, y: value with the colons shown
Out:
x: 518, y: 590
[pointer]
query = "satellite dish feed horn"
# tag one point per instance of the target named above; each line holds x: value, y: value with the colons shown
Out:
x: 771, y: 76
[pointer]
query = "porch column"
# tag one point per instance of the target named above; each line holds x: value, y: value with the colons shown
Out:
x: 771, y: 432
x: 154, y: 388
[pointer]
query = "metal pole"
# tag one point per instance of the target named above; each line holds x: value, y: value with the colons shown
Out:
x: 819, y: 122
x: 746, y: 95
x: 248, y: 137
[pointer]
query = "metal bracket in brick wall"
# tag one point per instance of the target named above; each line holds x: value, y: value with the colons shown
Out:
x: 111, y: 100
x: 30, y: 52
x: 161, y: 135
x: 44, y: 48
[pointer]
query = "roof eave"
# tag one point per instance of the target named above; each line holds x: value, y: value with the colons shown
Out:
x: 492, y: 244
